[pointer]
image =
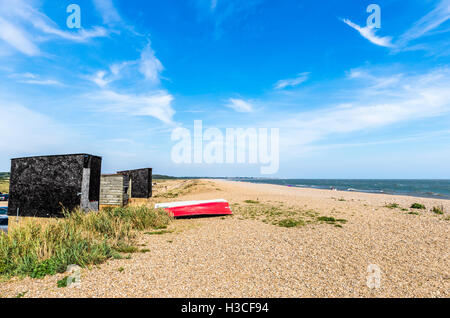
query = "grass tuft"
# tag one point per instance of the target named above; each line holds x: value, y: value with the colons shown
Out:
x: 438, y: 209
x: 418, y: 206
x: 80, y: 238
x: 251, y: 202
x: 290, y: 223
x: 159, y: 232
x: 63, y: 282
x: 392, y: 206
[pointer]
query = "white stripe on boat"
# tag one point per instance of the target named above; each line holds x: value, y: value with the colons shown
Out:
x: 186, y: 203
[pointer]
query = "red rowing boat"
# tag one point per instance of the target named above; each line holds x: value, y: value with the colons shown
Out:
x: 191, y: 208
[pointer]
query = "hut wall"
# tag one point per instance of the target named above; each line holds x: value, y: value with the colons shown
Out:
x: 114, y: 190
x: 141, y: 182
x: 40, y: 186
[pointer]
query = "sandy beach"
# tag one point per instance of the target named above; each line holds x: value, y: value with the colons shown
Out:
x: 334, y: 237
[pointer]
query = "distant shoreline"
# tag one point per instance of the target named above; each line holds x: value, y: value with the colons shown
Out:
x: 330, y: 184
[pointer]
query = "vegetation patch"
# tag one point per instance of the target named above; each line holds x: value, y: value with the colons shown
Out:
x: 158, y: 232
x: 4, y: 186
x: 331, y: 220
x: 65, y: 282
x: 84, y: 239
x: 186, y: 188
x: 418, y: 206
x: 290, y: 223
x: 20, y: 295
x: 281, y: 215
x: 438, y: 209
x: 392, y: 206
x: 251, y: 202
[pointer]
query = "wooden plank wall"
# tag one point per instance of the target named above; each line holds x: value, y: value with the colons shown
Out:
x: 112, y: 190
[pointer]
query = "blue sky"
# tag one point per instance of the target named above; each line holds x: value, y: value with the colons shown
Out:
x: 350, y: 101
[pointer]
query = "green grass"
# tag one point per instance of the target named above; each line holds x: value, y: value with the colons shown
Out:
x: 438, y: 210
x: 63, y: 282
x: 158, y: 232
x: 120, y: 269
x: 125, y: 248
x: 392, y: 206
x: 4, y: 186
x: 251, y: 202
x: 290, y: 223
x: 413, y: 213
x: 80, y: 238
x: 184, y: 189
x: 331, y: 220
x: 418, y: 206
x: 20, y: 295
x: 144, y: 250
x: 282, y: 216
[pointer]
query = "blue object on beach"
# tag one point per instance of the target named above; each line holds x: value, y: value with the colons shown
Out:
x: 3, y: 211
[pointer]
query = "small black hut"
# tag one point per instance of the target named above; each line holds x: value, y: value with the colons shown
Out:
x: 41, y: 186
x: 140, y: 182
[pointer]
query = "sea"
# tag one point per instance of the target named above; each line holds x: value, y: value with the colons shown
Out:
x: 439, y: 189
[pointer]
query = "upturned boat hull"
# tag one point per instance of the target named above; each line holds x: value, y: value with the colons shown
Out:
x: 196, y: 208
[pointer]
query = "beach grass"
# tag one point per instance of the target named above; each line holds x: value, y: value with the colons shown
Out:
x: 84, y: 239
x: 281, y: 215
x: 4, y: 186
x: 251, y: 202
x: 418, y: 206
x: 438, y: 210
x: 392, y: 206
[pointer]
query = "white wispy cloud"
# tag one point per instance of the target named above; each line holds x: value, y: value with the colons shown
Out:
x: 17, y: 38
x: 41, y: 82
x: 369, y: 34
x: 34, y: 79
x: 107, y: 10
x: 149, y: 65
x: 213, y: 4
x: 157, y: 104
x: 427, y: 23
x: 240, y: 105
x: 372, y: 106
x: 23, y: 26
x: 99, y: 79
x: 302, y: 77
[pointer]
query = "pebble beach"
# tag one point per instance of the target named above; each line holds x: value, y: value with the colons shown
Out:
x: 251, y: 255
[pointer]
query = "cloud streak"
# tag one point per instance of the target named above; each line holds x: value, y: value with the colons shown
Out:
x: 240, y: 105
x: 424, y: 26
x: 156, y: 104
x: 302, y: 77
x: 108, y: 11
x: 23, y: 27
x: 427, y: 23
x: 370, y: 34
x: 373, y: 106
